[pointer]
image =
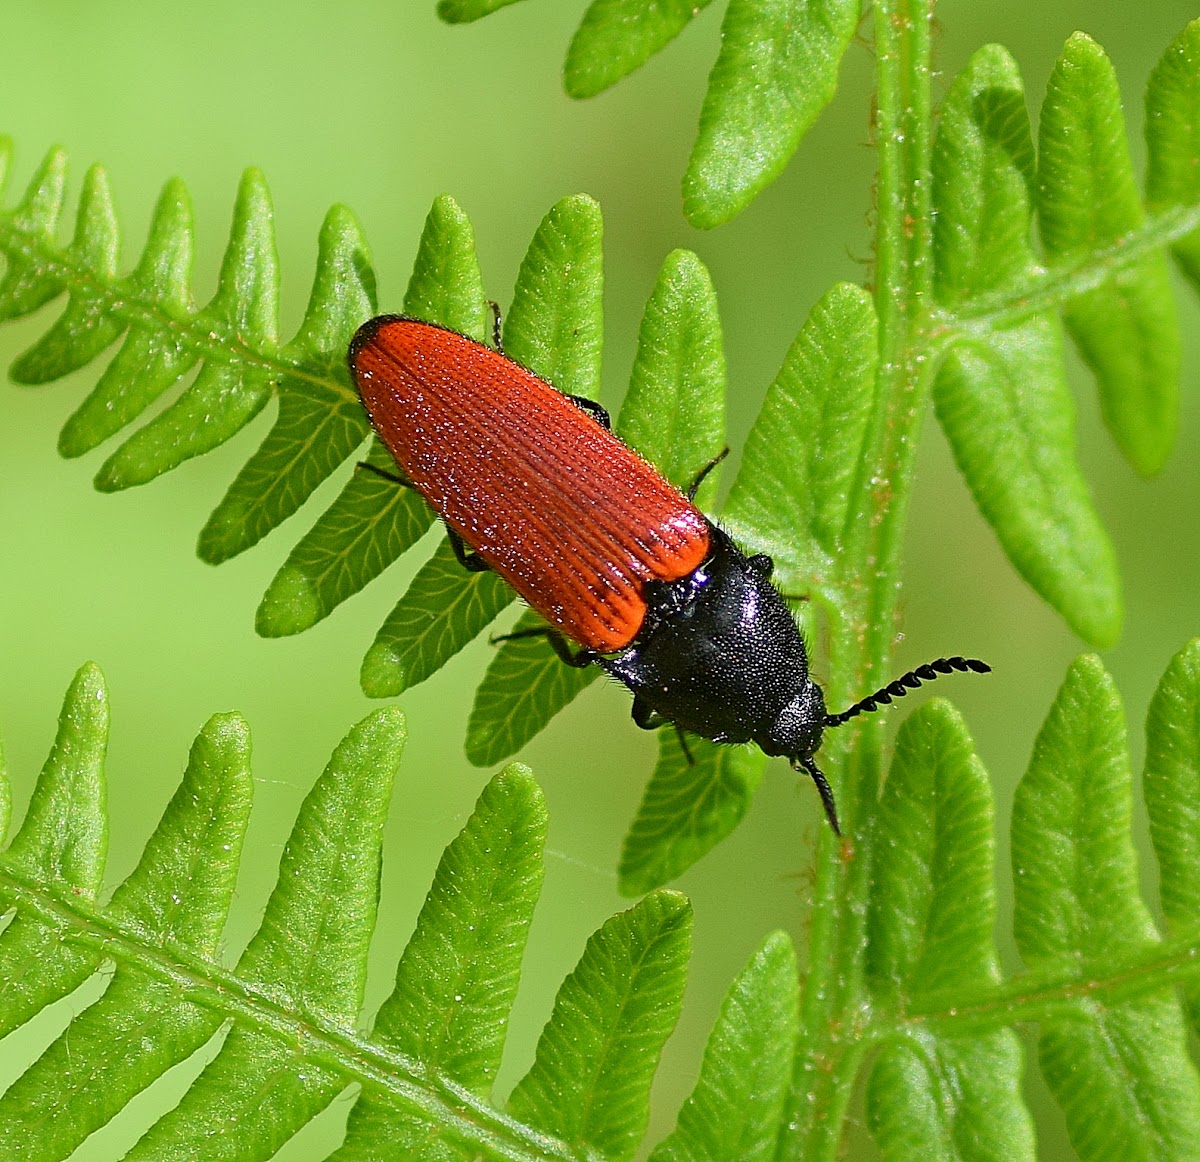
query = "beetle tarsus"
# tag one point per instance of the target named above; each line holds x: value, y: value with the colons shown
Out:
x: 597, y: 411
x: 645, y: 716
x: 497, y: 342
x: 683, y: 746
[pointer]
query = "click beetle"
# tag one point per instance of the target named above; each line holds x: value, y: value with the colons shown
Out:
x: 531, y: 483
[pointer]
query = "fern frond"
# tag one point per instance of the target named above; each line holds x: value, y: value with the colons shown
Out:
x: 294, y: 999
x: 232, y: 342
x: 1078, y: 903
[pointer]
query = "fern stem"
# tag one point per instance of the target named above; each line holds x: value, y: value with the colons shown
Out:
x: 862, y: 622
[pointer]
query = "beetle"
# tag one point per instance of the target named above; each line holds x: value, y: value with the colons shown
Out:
x: 533, y: 484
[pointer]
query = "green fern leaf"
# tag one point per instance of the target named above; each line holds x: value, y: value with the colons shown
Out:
x: 462, y: 11
x: 1173, y: 138
x: 1001, y: 395
x: 458, y: 977
x: 294, y: 999
x: 373, y: 521
x: 1172, y: 789
x: 177, y: 898
x: 60, y: 848
x: 931, y: 931
x: 692, y: 801
x: 441, y: 612
x: 590, y: 1081
x: 226, y: 393
x: 617, y: 37
x: 1077, y: 904
x: 318, y: 426
x: 26, y: 285
x: 525, y: 686
x: 555, y: 325
x: 984, y: 173
x: 674, y: 410
x: 1126, y: 329
x: 1006, y: 411
x: 85, y: 328
x: 777, y: 69
x: 735, y: 1109
x: 792, y: 493
x: 309, y: 953
x: 152, y: 358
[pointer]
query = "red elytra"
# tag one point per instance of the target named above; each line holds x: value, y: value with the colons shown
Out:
x: 573, y: 519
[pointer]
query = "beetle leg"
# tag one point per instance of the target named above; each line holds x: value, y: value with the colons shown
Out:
x: 645, y: 716
x: 394, y: 477
x: 593, y: 409
x: 683, y: 745
x: 471, y: 561
x: 762, y: 564
x: 694, y: 487
x: 558, y: 643
x: 494, y: 307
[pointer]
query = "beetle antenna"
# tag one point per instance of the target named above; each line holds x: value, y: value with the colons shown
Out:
x: 901, y: 686
x: 826, y: 792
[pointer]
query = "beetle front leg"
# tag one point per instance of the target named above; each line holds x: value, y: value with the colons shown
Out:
x: 645, y: 716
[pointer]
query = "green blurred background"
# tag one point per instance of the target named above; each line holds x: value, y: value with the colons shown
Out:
x: 378, y: 105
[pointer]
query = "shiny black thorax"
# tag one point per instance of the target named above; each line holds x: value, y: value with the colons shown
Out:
x: 720, y: 655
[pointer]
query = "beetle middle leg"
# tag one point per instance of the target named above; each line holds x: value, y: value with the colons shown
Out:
x: 468, y: 559
x: 559, y: 644
x: 394, y: 477
x: 645, y: 716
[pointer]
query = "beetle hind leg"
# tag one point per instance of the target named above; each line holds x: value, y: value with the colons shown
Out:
x: 396, y: 477
x: 468, y: 559
x: 558, y: 643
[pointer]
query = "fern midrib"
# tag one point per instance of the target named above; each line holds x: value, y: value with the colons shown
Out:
x: 123, y: 299
x: 1036, y: 997
x: 1051, y: 289
x: 462, y: 1113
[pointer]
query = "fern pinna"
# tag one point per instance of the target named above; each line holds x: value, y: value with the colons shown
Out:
x: 933, y: 1030
x: 902, y: 985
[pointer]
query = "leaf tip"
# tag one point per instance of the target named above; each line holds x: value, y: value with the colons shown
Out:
x: 290, y: 605
x: 382, y: 673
